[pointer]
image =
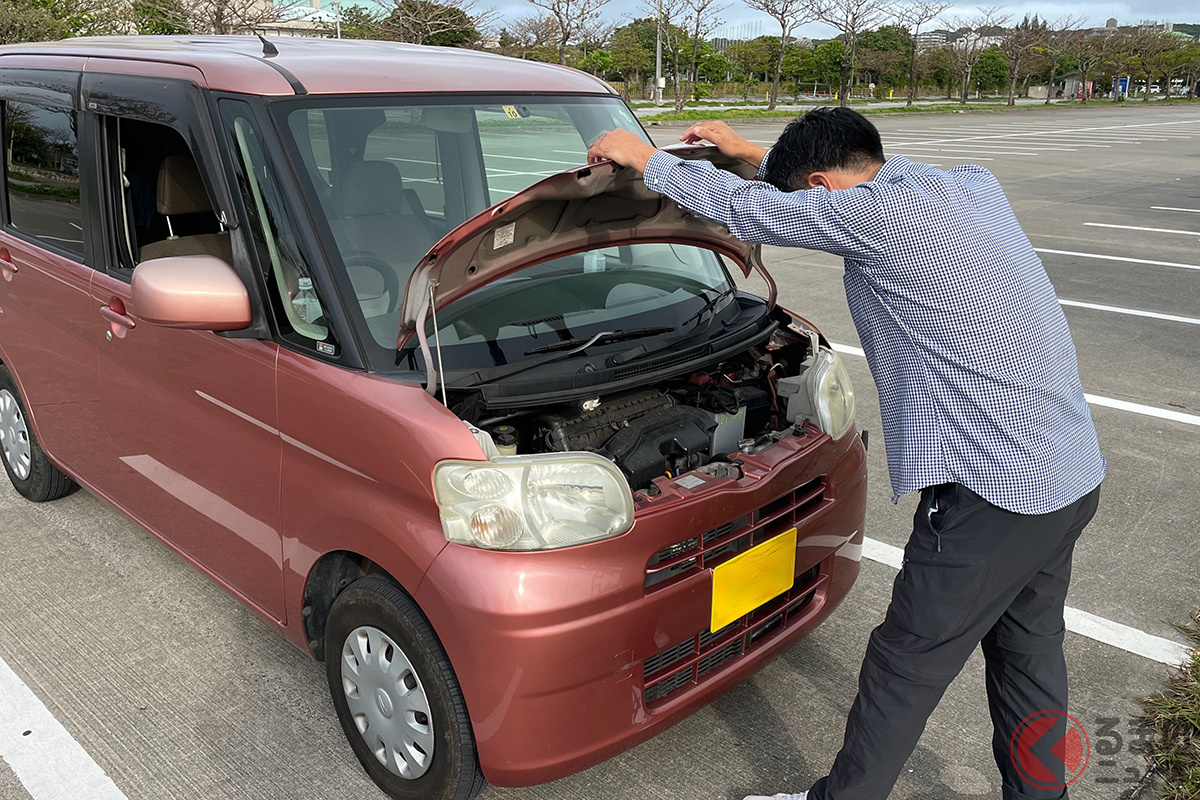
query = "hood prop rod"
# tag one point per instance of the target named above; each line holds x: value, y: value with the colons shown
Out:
x: 433, y: 375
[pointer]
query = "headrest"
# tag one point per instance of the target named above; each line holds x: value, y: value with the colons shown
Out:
x: 180, y: 187
x: 366, y: 188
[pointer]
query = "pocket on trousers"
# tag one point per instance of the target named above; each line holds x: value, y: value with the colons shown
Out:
x: 935, y: 599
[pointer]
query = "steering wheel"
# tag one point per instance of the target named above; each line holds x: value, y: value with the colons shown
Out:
x: 391, y: 281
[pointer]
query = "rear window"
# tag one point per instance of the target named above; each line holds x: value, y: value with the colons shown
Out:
x: 42, y: 175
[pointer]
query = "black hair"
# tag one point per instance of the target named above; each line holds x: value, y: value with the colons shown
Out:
x: 822, y: 139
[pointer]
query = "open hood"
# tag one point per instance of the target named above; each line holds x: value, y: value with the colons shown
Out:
x: 601, y: 205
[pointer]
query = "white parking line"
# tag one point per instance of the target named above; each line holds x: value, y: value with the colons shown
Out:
x: 1123, y: 637
x: 1101, y: 257
x: 1169, y: 208
x: 47, y: 760
x: 1131, y: 312
x: 1139, y: 228
x: 1094, y: 399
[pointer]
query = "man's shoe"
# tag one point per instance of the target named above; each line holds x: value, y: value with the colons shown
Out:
x: 781, y: 796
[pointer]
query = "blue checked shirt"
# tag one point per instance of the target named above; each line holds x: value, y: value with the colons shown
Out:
x: 977, y: 375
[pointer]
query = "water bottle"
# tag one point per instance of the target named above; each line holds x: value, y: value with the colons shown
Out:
x: 307, y: 306
x: 593, y: 261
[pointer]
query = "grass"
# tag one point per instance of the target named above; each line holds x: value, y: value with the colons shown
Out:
x: 1172, y: 720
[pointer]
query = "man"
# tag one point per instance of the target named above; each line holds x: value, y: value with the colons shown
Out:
x: 983, y: 413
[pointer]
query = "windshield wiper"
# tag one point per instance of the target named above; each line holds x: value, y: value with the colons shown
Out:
x: 604, y: 337
x: 709, y: 305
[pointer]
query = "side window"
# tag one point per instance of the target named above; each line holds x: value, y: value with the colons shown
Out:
x: 298, y: 306
x: 157, y: 198
x: 42, y: 175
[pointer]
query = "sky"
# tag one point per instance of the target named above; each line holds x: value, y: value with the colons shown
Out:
x: 738, y: 17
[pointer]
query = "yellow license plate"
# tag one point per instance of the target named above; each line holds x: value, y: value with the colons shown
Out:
x: 745, y: 582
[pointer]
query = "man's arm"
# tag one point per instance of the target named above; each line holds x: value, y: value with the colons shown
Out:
x: 841, y: 222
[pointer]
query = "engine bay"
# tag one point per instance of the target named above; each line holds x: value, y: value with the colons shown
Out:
x: 700, y: 420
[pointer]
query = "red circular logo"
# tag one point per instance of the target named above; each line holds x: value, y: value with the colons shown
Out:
x: 1037, y: 749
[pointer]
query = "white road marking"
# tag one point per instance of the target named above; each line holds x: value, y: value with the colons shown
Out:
x: 939, y: 149
x: 1101, y: 257
x: 905, y: 152
x: 1169, y: 208
x: 1123, y: 637
x: 1094, y: 399
x: 1139, y: 228
x: 47, y: 760
x: 539, y: 160
x: 1130, y: 311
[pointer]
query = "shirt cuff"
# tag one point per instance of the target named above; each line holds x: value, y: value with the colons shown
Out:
x: 762, y: 168
x: 658, y: 168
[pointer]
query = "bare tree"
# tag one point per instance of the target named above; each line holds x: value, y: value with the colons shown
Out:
x: 217, y: 16
x: 701, y: 21
x: 1019, y: 46
x: 571, y: 17
x: 976, y: 34
x: 912, y: 17
x: 1155, y: 53
x: 790, y: 14
x: 457, y: 22
x: 1089, y: 52
x: 1055, y: 44
x: 853, y: 18
x: 670, y: 16
x: 534, y: 36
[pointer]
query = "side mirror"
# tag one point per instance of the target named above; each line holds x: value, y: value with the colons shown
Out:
x: 193, y: 292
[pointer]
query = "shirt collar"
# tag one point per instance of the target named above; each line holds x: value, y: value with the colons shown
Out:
x: 892, y: 170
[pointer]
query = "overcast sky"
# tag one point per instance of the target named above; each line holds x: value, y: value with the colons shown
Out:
x: 736, y: 14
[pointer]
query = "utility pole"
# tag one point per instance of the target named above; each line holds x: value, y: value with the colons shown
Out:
x: 658, y: 76
x: 337, y: 10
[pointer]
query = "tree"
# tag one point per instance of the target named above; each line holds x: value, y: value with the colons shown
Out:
x: 533, y: 38
x: 1055, y: 45
x: 26, y: 23
x: 571, y: 18
x: 701, y: 21
x: 1019, y: 47
x: 1089, y: 53
x: 452, y: 23
x: 852, y: 18
x: 913, y: 16
x: 629, y: 56
x: 991, y: 71
x: 975, y: 35
x: 165, y: 18
x: 214, y: 16
x: 790, y: 14
x: 359, y: 22
x: 1154, y: 52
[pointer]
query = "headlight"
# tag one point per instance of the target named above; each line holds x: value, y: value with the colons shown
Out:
x: 832, y: 394
x: 537, y: 502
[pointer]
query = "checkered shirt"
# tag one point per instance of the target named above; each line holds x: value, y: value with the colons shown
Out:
x: 977, y: 375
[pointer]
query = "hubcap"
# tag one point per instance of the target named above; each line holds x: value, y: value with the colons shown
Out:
x: 387, y: 702
x: 14, y: 436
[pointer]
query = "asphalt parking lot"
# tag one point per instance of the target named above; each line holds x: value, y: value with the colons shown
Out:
x: 176, y: 691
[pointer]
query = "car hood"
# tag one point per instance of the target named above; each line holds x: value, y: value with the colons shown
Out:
x: 585, y: 208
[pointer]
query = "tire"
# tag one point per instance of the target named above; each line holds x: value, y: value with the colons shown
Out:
x: 374, y: 619
x: 31, y: 472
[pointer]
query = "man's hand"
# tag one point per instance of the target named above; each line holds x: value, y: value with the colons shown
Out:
x: 726, y: 139
x: 624, y: 147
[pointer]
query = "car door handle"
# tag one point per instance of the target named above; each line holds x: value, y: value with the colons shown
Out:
x: 118, y: 324
x: 7, y: 268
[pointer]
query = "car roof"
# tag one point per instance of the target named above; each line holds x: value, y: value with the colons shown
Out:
x: 306, y: 65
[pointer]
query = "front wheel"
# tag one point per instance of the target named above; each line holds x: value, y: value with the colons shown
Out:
x: 397, y: 697
x: 32, y: 473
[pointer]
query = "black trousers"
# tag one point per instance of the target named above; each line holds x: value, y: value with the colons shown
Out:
x: 972, y: 573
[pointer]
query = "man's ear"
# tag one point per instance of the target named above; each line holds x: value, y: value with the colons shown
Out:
x: 824, y: 179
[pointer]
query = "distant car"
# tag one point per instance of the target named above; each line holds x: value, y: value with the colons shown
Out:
x: 502, y: 445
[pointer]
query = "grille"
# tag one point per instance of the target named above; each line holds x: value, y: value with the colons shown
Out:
x: 695, y: 554
x: 642, y: 369
x: 690, y: 662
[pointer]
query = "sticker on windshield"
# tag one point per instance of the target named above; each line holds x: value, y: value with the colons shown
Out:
x: 504, y: 236
x: 512, y: 112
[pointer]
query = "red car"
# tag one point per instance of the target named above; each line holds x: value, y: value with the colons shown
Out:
x: 503, y: 445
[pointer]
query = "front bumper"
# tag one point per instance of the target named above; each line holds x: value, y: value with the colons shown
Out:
x: 569, y: 657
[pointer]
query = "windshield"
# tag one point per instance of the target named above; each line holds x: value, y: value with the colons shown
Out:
x: 393, y: 177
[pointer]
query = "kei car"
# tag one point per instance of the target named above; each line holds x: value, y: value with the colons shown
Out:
x: 491, y: 432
